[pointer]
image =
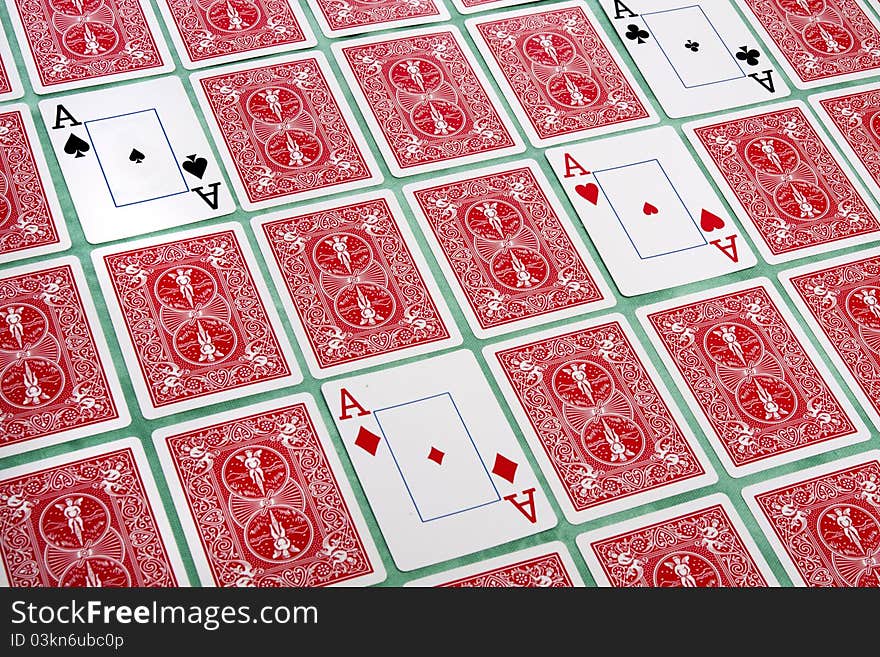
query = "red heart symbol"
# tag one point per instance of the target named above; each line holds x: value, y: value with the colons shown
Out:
x: 710, y: 221
x: 590, y: 192
x: 650, y: 209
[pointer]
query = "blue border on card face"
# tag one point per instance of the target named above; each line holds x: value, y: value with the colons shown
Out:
x: 743, y: 74
x: 170, y: 149
x: 623, y: 227
x: 470, y: 437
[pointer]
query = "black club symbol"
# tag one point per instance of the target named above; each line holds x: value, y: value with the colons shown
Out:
x: 748, y: 55
x: 693, y: 46
x: 637, y: 34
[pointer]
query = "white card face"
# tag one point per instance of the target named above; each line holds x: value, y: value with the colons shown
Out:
x: 650, y: 212
x: 135, y: 159
x: 542, y: 566
x: 697, y: 57
x: 133, y: 177
x: 462, y: 482
x: 441, y: 468
x: 676, y: 232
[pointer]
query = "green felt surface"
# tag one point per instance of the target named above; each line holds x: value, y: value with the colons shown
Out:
x: 564, y: 531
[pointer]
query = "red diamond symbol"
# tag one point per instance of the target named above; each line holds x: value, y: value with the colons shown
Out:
x: 436, y: 455
x: 504, y: 468
x: 367, y: 441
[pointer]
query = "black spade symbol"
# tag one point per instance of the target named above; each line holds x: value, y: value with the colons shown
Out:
x: 195, y: 165
x: 76, y: 146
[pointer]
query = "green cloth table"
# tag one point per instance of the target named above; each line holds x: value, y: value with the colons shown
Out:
x: 564, y: 531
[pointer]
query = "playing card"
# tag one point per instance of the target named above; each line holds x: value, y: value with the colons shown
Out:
x: 192, y: 313
x: 547, y: 566
x: 838, y: 300
x: 819, y: 42
x: 697, y: 57
x: 346, y: 17
x: 57, y: 381
x: 597, y: 418
x: 824, y: 522
x: 208, y: 32
x: 761, y: 394
x: 471, y: 6
x: 426, y: 101
x: 650, y: 212
x: 702, y: 543
x: 853, y: 119
x: 10, y: 84
x: 508, y: 251
x: 566, y: 78
x: 263, y: 499
x: 441, y: 469
x: 31, y: 222
x: 135, y: 159
x: 89, y: 518
x: 284, y: 131
x: 798, y: 195
x: 359, y: 292
x: 68, y: 44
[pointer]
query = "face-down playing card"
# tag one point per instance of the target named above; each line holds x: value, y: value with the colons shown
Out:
x: 472, y: 6
x: 193, y: 315
x: 507, y: 249
x: 441, y: 468
x: 135, y: 159
x: 760, y: 391
x: 543, y: 566
x: 359, y: 292
x: 57, y: 381
x: 208, y: 32
x: 10, y: 84
x: 699, y: 544
x: 838, y: 299
x: 426, y: 100
x: 91, y: 518
x: 263, y: 499
x: 824, y: 522
x: 599, y: 422
x: 31, y: 222
x: 284, y: 130
x: 852, y: 116
x: 819, y: 42
x: 342, y: 18
x: 650, y: 212
x: 796, y: 194
x: 67, y: 44
x: 564, y: 77
x: 697, y: 56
